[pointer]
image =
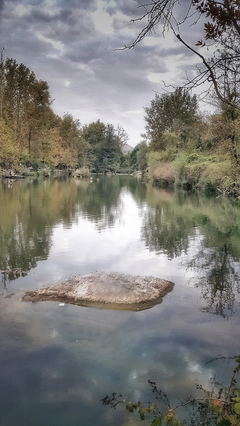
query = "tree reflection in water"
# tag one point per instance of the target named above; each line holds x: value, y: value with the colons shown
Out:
x: 204, y: 233
x: 219, y: 280
x: 30, y: 210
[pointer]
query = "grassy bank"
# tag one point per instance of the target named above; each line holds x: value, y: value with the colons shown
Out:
x: 195, y: 171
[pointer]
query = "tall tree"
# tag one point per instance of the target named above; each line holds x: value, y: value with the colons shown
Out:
x: 7, y: 148
x: 169, y: 112
x: 26, y: 103
x: 70, y: 134
x: 110, y: 152
x: 94, y: 135
x: 104, y: 146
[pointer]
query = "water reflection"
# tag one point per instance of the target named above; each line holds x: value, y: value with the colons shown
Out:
x: 205, y: 233
x: 29, y: 211
x: 60, y: 361
x: 202, y: 233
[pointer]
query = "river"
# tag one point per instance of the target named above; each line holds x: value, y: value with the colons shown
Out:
x: 58, y: 362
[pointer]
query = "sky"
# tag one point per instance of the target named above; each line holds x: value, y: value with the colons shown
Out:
x: 72, y: 45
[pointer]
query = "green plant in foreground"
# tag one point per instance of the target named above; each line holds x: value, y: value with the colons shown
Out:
x: 220, y: 407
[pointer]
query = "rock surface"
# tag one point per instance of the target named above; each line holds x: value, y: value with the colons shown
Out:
x: 108, y: 290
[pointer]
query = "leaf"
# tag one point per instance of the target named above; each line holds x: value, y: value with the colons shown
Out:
x: 157, y: 422
x: 142, y: 410
x: 232, y: 419
x: 173, y: 422
x: 236, y: 407
x: 129, y: 408
x: 225, y: 423
x: 216, y: 406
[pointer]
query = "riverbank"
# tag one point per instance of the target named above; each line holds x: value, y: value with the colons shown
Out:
x: 196, y: 172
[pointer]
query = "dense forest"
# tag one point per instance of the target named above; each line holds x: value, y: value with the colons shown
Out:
x: 180, y: 147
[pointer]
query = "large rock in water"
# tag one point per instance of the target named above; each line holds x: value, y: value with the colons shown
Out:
x: 108, y: 290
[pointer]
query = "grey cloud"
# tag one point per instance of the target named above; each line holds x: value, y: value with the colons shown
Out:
x: 90, y: 5
x: 40, y: 16
x: 129, y: 8
x: 66, y: 4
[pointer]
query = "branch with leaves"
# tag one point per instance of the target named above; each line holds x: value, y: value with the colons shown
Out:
x: 222, y: 404
x: 222, y: 21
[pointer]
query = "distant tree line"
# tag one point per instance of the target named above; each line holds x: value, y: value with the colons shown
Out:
x: 32, y: 135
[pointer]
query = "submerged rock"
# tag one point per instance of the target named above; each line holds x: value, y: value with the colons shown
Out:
x: 106, y: 289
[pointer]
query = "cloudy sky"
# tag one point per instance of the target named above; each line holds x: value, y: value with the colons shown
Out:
x: 71, y: 44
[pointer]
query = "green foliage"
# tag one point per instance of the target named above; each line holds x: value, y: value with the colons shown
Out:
x: 104, y: 141
x: 69, y: 133
x: 7, y: 151
x: 153, y: 158
x: 138, y: 157
x: 204, y: 152
x: 170, y: 112
x: 142, y: 156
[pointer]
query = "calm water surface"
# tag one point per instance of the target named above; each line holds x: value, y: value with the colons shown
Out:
x: 57, y: 362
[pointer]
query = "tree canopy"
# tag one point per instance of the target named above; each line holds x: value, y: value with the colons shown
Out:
x: 169, y: 112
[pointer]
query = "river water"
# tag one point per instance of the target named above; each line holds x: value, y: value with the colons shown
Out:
x: 57, y: 362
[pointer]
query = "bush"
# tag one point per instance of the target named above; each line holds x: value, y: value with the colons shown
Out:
x: 153, y: 159
x: 163, y: 174
x: 215, y: 175
x: 82, y: 172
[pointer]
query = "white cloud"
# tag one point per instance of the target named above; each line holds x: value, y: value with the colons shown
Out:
x: 56, y: 44
x: 21, y: 10
x: 102, y: 20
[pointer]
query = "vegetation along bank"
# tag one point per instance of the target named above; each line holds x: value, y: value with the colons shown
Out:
x: 181, y: 146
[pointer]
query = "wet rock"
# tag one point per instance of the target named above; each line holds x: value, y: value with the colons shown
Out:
x: 109, y: 290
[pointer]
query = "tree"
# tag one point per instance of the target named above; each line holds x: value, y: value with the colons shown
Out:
x: 122, y: 135
x: 104, y: 146
x: 93, y: 134
x: 26, y: 108
x: 169, y: 112
x: 110, y: 151
x: 138, y: 157
x: 70, y: 134
x: 7, y: 151
x: 142, y: 156
x: 220, y: 22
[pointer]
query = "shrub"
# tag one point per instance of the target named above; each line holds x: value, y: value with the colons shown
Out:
x: 163, y: 174
x: 216, y: 174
